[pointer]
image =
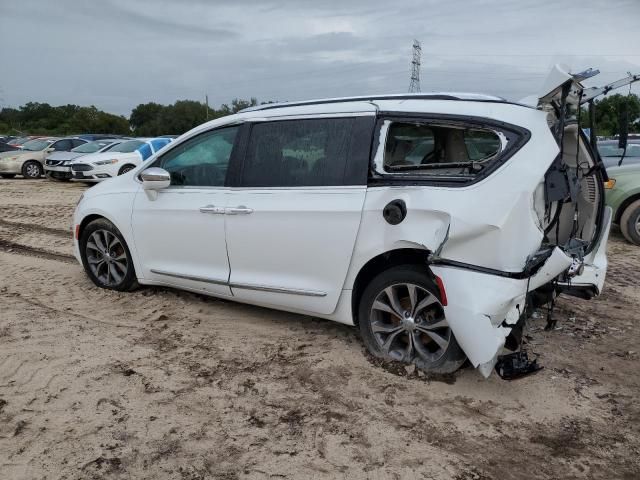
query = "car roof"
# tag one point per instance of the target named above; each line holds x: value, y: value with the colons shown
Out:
x: 452, y: 96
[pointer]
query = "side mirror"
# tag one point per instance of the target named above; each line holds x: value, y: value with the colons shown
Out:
x: 155, y: 178
x: 50, y: 149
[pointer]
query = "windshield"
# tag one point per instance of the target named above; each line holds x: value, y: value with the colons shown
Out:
x: 612, y: 150
x: 36, y: 145
x: 90, y: 147
x: 127, y: 147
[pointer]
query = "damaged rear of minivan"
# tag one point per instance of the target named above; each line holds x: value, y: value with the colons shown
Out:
x: 569, y: 209
x: 508, y: 231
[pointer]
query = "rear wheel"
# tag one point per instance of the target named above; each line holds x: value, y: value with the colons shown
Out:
x: 32, y: 169
x: 401, y: 318
x: 106, y: 257
x: 630, y: 223
x: 125, y: 169
x: 7, y: 175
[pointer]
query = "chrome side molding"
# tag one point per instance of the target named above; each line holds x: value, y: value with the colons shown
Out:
x: 243, y: 286
x: 191, y: 277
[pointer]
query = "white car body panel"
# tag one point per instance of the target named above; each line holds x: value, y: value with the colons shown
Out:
x: 284, y: 244
x: 284, y: 254
x: 191, y: 245
x: 110, y: 169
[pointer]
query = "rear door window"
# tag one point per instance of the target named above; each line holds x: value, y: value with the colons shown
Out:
x: 62, y: 145
x: 297, y: 153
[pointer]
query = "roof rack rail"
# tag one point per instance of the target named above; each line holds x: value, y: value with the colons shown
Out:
x: 365, y: 98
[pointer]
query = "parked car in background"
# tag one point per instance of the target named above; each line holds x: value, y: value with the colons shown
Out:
x: 117, y: 161
x: 430, y: 242
x: 611, y: 153
x: 623, y: 196
x: 19, y: 141
x: 97, y: 136
x: 29, y: 161
x: 57, y: 166
x: 6, y: 138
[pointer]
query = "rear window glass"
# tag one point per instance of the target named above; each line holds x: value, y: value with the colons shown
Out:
x: 429, y: 149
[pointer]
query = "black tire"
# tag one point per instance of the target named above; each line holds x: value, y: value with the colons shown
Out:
x: 445, y: 358
x: 106, y: 254
x: 55, y: 178
x: 32, y: 169
x: 7, y: 175
x: 125, y: 169
x: 630, y: 223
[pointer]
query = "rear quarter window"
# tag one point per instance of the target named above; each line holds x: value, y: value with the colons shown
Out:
x: 437, y: 151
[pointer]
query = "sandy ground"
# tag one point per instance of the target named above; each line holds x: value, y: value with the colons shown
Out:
x: 166, y: 384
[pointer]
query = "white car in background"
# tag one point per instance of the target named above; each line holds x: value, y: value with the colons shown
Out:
x: 116, y: 161
x: 57, y: 166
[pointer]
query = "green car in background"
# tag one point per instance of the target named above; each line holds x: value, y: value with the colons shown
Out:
x: 623, y: 196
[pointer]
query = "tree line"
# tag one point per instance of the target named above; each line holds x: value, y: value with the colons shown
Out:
x: 147, y: 119
x: 151, y: 119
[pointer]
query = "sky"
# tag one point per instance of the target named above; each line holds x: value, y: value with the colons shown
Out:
x: 116, y: 54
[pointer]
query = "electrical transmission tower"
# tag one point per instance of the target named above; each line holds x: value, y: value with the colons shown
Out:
x: 414, y: 86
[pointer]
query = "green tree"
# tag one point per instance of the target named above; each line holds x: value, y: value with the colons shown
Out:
x: 608, y: 114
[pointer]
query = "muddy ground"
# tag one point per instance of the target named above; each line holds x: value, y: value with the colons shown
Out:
x: 166, y: 384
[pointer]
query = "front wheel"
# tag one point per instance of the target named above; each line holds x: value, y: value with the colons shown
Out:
x: 125, y: 169
x: 106, y: 257
x: 630, y: 223
x: 32, y: 169
x: 401, y: 318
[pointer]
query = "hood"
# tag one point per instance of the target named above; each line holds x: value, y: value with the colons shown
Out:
x: 96, y: 157
x: 64, y: 155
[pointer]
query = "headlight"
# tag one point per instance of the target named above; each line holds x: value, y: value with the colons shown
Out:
x: 609, y: 184
x: 106, y: 162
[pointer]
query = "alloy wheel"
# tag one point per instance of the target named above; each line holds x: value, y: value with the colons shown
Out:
x: 106, y: 257
x: 33, y: 171
x: 407, y: 320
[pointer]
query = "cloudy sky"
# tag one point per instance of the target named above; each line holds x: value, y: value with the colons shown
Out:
x: 116, y: 54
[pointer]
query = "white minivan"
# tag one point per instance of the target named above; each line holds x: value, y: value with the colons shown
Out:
x: 426, y: 220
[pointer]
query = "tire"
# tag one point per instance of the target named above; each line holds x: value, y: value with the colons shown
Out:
x: 421, y: 337
x: 125, y: 169
x: 111, y: 268
x: 630, y: 223
x: 32, y: 169
x: 55, y: 179
x: 7, y: 175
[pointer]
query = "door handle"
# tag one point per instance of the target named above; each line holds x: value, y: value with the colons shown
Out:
x: 212, y: 209
x: 239, y: 210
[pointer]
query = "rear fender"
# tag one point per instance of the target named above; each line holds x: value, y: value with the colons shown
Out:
x: 483, y: 307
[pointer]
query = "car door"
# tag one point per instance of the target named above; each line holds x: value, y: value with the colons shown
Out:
x: 293, y: 216
x: 180, y: 235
